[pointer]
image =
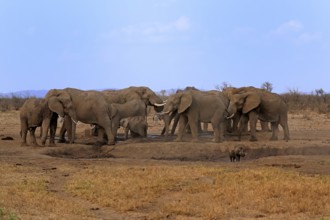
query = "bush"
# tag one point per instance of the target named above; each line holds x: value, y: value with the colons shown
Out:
x: 12, y: 103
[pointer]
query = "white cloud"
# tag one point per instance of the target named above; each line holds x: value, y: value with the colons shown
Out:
x: 155, y: 32
x: 290, y: 26
x: 309, y: 37
x: 295, y: 31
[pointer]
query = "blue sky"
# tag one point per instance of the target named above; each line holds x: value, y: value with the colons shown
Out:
x: 164, y: 44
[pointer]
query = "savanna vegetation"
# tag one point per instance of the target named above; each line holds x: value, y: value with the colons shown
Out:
x: 123, y: 186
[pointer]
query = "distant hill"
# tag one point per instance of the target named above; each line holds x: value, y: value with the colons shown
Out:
x: 26, y: 93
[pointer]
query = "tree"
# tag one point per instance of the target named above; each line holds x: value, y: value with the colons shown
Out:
x: 223, y: 86
x: 267, y: 86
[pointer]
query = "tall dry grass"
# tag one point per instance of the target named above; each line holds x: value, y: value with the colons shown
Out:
x: 204, y: 192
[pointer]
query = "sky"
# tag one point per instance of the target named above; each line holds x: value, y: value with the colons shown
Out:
x: 164, y: 44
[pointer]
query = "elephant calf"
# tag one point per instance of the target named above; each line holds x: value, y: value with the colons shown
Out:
x: 33, y: 113
x: 236, y: 154
x: 136, y: 125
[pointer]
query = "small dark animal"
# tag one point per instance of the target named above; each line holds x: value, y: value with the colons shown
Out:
x: 236, y: 154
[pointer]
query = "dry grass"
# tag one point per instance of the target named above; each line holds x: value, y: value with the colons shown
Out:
x: 24, y: 190
x: 204, y: 192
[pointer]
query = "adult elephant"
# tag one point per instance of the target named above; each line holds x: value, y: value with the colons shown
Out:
x: 32, y: 114
x: 237, y: 117
x: 131, y: 108
x: 194, y: 107
x: 174, y: 116
x: 121, y: 96
x: 88, y: 107
x: 142, y: 93
x: 266, y: 106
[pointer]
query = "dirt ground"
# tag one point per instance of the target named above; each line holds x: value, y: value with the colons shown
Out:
x: 308, y: 151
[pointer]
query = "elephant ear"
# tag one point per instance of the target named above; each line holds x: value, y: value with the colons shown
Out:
x: 185, y: 102
x: 55, y: 105
x: 252, y: 101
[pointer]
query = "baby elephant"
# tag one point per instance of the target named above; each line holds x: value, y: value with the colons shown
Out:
x: 137, y: 125
x: 237, y: 153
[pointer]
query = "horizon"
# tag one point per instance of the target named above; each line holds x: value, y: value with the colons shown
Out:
x: 164, y: 45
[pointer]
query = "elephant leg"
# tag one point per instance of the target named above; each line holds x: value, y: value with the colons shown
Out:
x: 175, y: 123
x: 33, y: 137
x: 253, y: 118
x: 244, y: 119
x: 24, y: 130
x: 45, y: 127
x: 182, y: 126
x: 62, y: 134
x: 73, y: 134
x: 264, y: 126
x: 194, y: 125
x: 284, y: 125
x: 167, y: 121
x: 216, y: 129
x: 275, y: 131
x: 236, y: 121
x: 52, y: 131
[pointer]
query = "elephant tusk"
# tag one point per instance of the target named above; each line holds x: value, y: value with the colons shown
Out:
x: 76, y: 122
x: 229, y: 117
x: 164, y: 113
x: 160, y: 105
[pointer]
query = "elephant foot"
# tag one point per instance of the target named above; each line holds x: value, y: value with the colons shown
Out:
x: 61, y: 140
x: 252, y: 139
x: 273, y: 138
x: 35, y: 145
x: 24, y: 145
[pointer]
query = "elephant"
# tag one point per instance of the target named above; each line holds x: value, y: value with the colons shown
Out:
x: 131, y: 108
x: 137, y: 125
x: 32, y: 114
x: 122, y: 96
x: 262, y: 105
x: 236, y: 154
x: 88, y: 107
x: 237, y: 117
x: 143, y: 93
x: 175, y: 116
x: 195, y: 107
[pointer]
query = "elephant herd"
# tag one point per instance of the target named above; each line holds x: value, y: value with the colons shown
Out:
x: 228, y: 111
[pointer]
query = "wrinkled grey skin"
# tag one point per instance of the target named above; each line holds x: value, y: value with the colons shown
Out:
x: 236, y: 154
x: 136, y: 125
x: 262, y: 105
x: 129, y: 109
x: 195, y: 107
x: 32, y: 114
x: 89, y: 107
x: 174, y: 116
x: 236, y: 125
x: 122, y: 96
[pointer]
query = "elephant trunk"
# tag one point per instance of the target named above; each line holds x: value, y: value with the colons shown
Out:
x: 231, y: 111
